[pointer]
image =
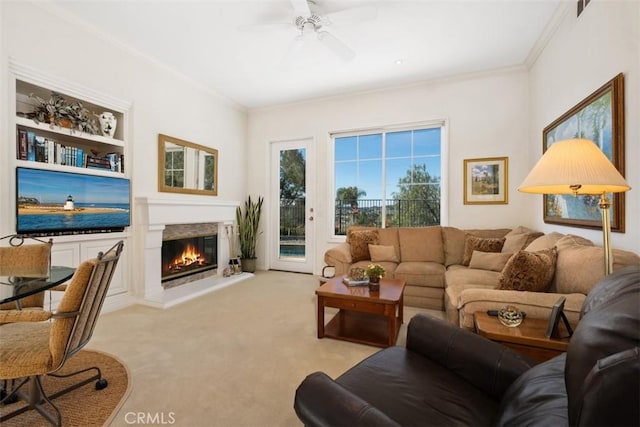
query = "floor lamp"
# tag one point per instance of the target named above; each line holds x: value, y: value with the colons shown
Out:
x: 578, y: 166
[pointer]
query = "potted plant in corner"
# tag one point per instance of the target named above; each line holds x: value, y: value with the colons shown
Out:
x: 248, y: 232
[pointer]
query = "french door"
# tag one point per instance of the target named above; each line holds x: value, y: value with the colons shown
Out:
x: 291, y: 207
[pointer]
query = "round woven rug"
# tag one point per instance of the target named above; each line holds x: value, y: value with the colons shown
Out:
x: 84, y: 406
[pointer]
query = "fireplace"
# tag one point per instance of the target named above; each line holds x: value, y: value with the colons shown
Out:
x: 161, y: 219
x: 185, y: 256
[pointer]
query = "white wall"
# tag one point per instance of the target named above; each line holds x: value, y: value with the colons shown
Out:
x: 487, y: 116
x: 585, y: 53
x: 39, y: 36
x: 163, y: 101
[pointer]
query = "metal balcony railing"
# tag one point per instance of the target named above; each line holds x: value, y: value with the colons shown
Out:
x: 396, y: 213
x: 366, y: 212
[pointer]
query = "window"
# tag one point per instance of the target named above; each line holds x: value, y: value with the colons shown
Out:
x: 388, y: 178
x: 174, y: 168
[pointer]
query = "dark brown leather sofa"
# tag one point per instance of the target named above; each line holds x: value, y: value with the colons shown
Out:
x: 449, y: 376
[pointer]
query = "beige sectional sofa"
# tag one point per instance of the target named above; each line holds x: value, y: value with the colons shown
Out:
x: 447, y: 268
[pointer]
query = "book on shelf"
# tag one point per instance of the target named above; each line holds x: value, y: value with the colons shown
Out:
x: 116, y: 160
x: 80, y: 157
x: 71, y: 156
x: 60, y: 154
x: 98, y: 162
x: 31, y: 146
x: 51, y: 152
x: 40, y: 153
x: 21, y: 146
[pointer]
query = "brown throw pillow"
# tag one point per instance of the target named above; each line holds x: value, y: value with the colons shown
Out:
x: 479, y: 244
x: 359, y: 241
x: 529, y: 271
x: 380, y: 253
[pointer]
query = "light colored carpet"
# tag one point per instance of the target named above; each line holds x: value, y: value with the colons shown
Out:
x: 233, y: 357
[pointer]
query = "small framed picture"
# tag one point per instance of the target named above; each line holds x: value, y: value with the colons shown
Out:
x: 486, y: 181
x: 557, y: 313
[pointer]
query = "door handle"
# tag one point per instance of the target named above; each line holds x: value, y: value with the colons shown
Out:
x: 310, y: 218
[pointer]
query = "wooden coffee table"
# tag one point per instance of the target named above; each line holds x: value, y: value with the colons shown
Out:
x: 528, y: 338
x: 372, y: 318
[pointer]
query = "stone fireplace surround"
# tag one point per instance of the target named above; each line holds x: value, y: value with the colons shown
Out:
x: 152, y: 217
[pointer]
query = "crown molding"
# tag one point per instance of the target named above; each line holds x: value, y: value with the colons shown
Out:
x: 548, y: 32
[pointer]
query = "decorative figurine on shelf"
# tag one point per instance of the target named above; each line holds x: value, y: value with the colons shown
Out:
x: 375, y: 273
x: 108, y: 124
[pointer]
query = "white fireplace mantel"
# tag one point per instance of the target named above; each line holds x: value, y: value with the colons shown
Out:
x: 162, y: 211
x: 153, y: 214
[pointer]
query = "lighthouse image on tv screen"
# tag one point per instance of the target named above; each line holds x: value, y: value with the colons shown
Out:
x: 64, y: 202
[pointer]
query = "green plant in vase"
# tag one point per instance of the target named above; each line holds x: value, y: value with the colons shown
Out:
x: 248, y: 222
x: 375, y: 272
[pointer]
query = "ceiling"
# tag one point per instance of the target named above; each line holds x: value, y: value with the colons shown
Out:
x: 225, y: 46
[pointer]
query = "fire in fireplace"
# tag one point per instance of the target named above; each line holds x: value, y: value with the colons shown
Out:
x: 190, y: 255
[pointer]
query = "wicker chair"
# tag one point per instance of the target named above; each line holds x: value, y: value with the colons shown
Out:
x: 18, y: 259
x: 32, y: 347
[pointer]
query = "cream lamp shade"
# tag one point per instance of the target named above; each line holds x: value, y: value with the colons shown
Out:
x: 574, y: 166
x: 578, y: 166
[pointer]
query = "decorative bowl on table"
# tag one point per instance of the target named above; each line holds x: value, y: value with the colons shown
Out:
x: 510, y: 316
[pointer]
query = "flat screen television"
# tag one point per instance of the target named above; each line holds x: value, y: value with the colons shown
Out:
x: 52, y: 203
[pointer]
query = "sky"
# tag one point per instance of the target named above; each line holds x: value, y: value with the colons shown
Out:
x: 359, y: 159
x: 54, y: 187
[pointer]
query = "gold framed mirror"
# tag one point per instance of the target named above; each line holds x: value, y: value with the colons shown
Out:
x: 185, y: 167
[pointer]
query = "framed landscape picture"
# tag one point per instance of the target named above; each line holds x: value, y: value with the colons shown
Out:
x: 486, y: 181
x: 599, y: 118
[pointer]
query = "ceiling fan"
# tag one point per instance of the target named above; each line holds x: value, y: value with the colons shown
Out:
x: 312, y: 25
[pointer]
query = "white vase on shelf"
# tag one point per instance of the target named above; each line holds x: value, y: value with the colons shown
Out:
x: 108, y: 123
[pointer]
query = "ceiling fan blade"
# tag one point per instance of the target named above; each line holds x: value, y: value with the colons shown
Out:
x: 343, y: 51
x: 292, y: 52
x: 301, y: 7
x: 266, y: 27
x: 354, y: 15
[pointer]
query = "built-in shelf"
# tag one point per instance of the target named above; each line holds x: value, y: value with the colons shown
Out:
x: 74, y: 244
x: 49, y: 146
x: 65, y: 168
x: 68, y: 134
